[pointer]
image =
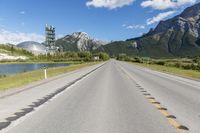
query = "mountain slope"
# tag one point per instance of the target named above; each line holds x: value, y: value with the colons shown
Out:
x: 178, y: 36
x: 78, y: 41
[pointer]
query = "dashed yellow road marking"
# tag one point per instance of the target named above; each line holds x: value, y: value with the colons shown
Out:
x: 164, y: 112
x: 152, y: 100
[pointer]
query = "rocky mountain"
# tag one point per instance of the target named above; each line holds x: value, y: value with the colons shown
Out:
x: 78, y: 41
x: 178, y: 36
x: 187, y: 21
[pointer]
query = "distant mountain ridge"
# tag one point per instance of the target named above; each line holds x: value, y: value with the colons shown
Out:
x: 187, y: 21
x: 178, y: 36
x: 78, y: 41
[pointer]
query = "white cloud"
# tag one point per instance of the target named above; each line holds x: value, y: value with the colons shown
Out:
x: 111, y: 4
x: 17, y: 37
x: 160, y: 17
x: 138, y: 26
x: 165, y: 4
x: 22, y: 12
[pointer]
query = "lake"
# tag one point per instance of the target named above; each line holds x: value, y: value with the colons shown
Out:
x: 6, y: 69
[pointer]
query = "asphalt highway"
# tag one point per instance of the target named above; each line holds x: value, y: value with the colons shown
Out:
x: 119, y: 98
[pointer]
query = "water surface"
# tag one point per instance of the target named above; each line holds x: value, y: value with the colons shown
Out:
x: 19, y: 68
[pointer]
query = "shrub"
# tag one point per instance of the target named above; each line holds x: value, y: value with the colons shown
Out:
x: 138, y: 60
x: 103, y: 56
x: 186, y: 66
x: 162, y: 63
x: 196, y: 60
x: 177, y: 64
x: 122, y: 57
x: 2, y: 76
x: 198, y: 66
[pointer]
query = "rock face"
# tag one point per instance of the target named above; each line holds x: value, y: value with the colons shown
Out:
x: 187, y: 21
x: 175, y: 37
x: 78, y: 41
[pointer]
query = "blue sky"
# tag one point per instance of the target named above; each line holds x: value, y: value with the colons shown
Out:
x: 22, y: 20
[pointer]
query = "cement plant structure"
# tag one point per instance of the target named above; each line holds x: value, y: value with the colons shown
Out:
x: 50, y: 39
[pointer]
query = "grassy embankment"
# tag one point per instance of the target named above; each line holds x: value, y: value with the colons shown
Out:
x: 172, y: 70
x: 17, y: 80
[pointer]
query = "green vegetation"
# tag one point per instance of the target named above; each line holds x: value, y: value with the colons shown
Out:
x: 78, y: 59
x: 17, y: 80
x: 12, y: 50
x: 72, y: 57
x: 173, y: 70
x: 189, y: 67
x: 169, y: 44
x: 103, y: 56
x: 114, y: 48
x: 2, y: 76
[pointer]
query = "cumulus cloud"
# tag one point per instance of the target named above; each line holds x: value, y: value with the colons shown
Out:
x: 138, y: 26
x: 165, y: 4
x: 111, y: 4
x: 160, y: 17
x: 17, y: 37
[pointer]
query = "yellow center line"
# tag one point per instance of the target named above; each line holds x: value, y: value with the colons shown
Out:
x: 152, y: 100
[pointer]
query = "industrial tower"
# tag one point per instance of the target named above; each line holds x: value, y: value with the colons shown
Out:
x: 50, y: 38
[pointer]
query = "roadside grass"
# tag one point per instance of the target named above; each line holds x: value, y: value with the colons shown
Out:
x: 17, y: 80
x: 195, y: 74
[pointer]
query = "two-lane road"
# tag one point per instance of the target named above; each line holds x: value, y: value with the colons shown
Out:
x: 179, y: 95
x: 109, y: 100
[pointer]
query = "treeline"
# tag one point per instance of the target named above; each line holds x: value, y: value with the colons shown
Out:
x: 13, y: 50
x: 183, y: 63
x: 72, y: 56
x: 56, y: 57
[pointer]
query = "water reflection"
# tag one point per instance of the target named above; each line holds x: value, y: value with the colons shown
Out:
x: 18, y: 68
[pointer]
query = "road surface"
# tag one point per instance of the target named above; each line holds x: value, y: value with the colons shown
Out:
x: 118, y: 98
